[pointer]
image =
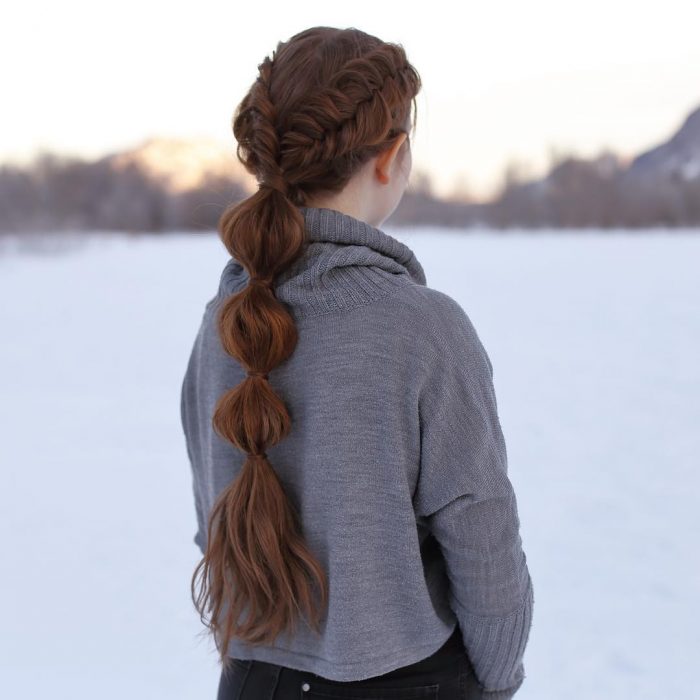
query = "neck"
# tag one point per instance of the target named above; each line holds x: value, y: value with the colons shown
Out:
x: 355, y: 200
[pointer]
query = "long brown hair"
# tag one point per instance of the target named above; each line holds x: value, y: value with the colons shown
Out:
x: 326, y: 102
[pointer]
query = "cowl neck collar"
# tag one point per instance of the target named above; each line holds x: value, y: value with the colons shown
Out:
x: 345, y: 263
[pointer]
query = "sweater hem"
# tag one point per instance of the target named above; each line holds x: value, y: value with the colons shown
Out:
x: 343, y: 672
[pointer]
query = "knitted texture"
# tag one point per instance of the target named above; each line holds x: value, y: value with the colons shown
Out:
x: 396, y: 463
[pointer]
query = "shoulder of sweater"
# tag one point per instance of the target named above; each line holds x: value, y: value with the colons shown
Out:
x: 438, y: 318
x: 438, y: 309
x: 442, y: 320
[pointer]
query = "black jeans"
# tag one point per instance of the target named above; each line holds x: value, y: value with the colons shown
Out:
x: 446, y: 675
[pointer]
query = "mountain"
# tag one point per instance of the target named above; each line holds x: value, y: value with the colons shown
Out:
x: 659, y: 187
x: 181, y: 164
x: 677, y: 159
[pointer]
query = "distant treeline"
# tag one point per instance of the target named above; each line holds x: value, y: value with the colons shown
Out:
x: 577, y: 193
x: 60, y: 193
x: 598, y: 193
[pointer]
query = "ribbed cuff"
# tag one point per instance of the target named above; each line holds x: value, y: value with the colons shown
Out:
x: 496, y: 647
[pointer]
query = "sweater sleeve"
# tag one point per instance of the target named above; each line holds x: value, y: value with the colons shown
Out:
x: 470, y: 507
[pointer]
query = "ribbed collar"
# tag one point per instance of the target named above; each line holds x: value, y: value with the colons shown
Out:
x: 347, y: 262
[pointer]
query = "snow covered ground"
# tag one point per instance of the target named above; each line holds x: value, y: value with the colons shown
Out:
x: 594, y: 342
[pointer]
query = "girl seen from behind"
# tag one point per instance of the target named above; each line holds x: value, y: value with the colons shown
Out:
x: 358, y: 528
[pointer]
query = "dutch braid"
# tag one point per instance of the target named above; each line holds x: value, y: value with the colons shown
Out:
x: 353, y: 110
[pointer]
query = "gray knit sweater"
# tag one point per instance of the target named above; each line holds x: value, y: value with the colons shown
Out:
x: 396, y: 463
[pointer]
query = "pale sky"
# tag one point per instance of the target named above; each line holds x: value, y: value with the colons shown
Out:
x: 502, y: 80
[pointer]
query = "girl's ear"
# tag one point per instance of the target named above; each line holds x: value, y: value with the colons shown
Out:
x: 386, y: 159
